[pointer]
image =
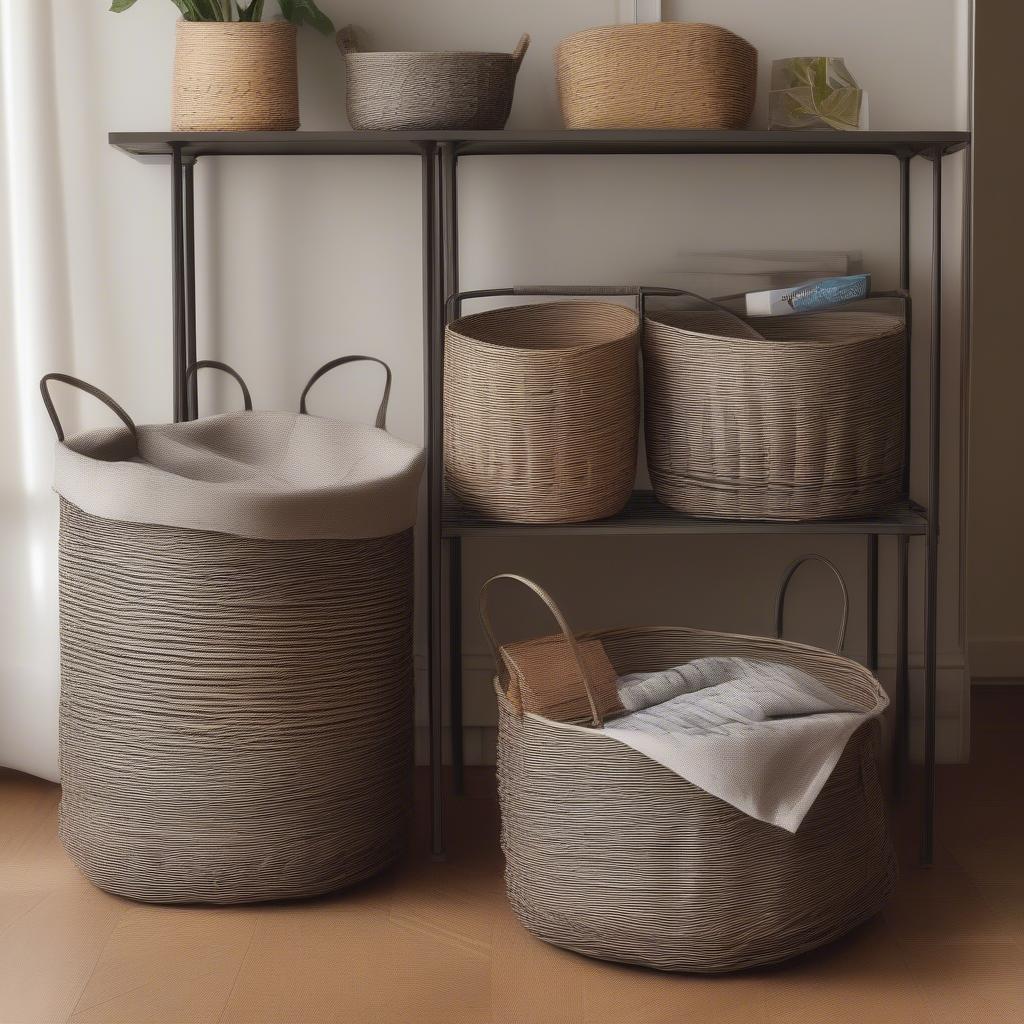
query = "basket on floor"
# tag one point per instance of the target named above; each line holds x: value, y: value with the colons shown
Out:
x: 455, y: 91
x: 789, y: 417
x: 542, y: 409
x: 661, y: 75
x: 236, y: 600
x: 610, y: 854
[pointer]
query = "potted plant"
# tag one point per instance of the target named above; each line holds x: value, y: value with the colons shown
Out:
x: 233, y: 71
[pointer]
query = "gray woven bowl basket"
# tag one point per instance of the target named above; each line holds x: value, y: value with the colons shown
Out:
x: 235, y: 714
x: 612, y: 855
x: 455, y: 91
x: 805, y: 421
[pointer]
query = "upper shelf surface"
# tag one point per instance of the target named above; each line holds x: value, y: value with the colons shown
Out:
x: 157, y: 144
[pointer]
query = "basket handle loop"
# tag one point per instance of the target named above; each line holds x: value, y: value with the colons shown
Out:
x: 556, y: 612
x: 520, y: 51
x: 780, y: 597
x: 382, y: 412
x: 89, y: 389
x: 214, y: 364
x: 347, y: 40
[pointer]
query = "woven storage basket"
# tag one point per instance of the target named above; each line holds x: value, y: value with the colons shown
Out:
x: 429, y: 91
x: 610, y: 854
x: 662, y: 75
x: 805, y: 422
x: 235, y: 76
x: 541, y: 411
x: 236, y: 712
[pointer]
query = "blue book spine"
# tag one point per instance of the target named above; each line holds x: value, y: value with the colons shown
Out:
x: 830, y: 291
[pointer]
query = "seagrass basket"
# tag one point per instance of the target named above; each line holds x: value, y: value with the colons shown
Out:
x: 802, y: 418
x: 667, y: 75
x: 429, y: 91
x: 236, y: 710
x: 541, y: 411
x: 235, y: 76
x: 612, y: 855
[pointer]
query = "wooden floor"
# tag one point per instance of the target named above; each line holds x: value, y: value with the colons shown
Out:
x: 436, y: 942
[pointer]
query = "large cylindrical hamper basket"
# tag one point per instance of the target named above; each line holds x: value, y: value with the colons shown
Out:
x: 610, y: 854
x: 542, y: 408
x: 806, y: 421
x: 236, y: 693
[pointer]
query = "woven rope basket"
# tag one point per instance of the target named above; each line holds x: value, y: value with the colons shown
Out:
x: 612, y: 855
x: 235, y: 76
x: 662, y: 75
x: 541, y: 411
x: 429, y: 91
x: 806, y: 422
x: 236, y: 714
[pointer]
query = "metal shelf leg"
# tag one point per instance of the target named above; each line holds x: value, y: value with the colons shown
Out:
x: 902, y: 753
x: 179, y: 352
x: 189, y: 211
x: 455, y: 662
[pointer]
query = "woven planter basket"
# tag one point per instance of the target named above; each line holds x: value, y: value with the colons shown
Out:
x: 610, y: 854
x: 429, y: 91
x: 236, y: 713
x: 806, y: 422
x: 235, y: 76
x: 541, y: 411
x: 671, y: 75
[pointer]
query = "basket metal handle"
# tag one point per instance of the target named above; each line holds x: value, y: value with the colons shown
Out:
x: 453, y: 307
x: 556, y: 612
x: 780, y: 597
x: 382, y: 411
x: 214, y: 364
x: 89, y: 389
x: 520, y: 51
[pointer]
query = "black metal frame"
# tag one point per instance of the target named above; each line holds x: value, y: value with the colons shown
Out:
x: 446, y: 525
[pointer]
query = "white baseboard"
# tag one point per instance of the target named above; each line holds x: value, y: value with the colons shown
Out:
x: 997, y: 658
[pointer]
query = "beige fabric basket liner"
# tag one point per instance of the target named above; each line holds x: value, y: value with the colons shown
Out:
x: 267, y: 475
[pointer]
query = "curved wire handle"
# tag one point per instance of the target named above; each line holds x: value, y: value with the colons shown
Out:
x: 780, y: 597
x: 214, y: 364
x: 89, y: 389
x: 382, y: 412
x: 556, y: 612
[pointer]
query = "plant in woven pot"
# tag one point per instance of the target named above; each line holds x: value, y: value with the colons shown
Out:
x: 233, y: 70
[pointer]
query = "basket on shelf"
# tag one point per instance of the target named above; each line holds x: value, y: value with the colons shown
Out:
x: 235, y: 76
x: 785, y: 417
x: 429, y: 91
x: 236, y: 600
x: 610, y: 854
x: 667, y: 75
x: 542, y: 409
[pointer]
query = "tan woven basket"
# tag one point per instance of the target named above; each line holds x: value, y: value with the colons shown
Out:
x: 663, y: 75
x: 235, y: 76
x: 610, y: 854
x: 541, y: 411
x: 806, y: 422
x: 429, y: 91
x: 236, y: 714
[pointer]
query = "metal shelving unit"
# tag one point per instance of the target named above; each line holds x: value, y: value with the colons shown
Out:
x: 446, y: 524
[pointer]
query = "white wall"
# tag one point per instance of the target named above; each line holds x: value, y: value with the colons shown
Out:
x: 303, y: 259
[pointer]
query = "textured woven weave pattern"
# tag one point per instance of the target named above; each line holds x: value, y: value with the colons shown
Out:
x: 806, y: 424
x: 612, y: 855
x: 661, y: 75
x: 542, y: 411
x: 236, y: 715
x: 237, y: 76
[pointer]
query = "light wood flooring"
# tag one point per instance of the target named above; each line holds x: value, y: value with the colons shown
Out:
x: 435, y: 942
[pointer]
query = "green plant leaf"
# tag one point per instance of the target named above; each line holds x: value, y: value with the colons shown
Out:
x: 121, y: 5
x: 254, y: 12
x: 306, y: 12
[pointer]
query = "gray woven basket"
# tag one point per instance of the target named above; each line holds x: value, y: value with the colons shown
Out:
x: 610, y: 854
x: 542, y: 411
x: 429, y: 91
x: 236, y: 714
x: 803, y: 419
